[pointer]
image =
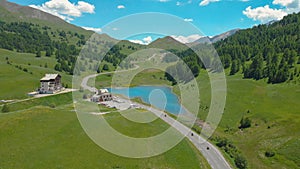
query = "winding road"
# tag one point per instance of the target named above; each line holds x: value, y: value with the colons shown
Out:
x: 209, y: 151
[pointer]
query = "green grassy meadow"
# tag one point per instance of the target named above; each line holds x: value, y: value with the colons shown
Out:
x: 146, y: 77
x: 273, y: 110
x: 34, y: 135
x: 16, y: 83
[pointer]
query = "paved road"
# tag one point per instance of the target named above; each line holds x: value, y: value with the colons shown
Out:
x: 212, y: 155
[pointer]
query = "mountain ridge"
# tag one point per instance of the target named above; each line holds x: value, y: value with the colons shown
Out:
x: 12, y: 12
x: 214, y: 39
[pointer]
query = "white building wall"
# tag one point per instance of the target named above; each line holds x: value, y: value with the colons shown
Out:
x: 44, y: 87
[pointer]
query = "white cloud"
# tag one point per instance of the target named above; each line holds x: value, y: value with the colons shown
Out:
x: 65, y: 9
x: 187, y: 39
x: 137, y: 41
x: 264, y: 14
x: 121, y: 7
x: 188, y: 20
x: 146, y: 41
x: 179, y: 3
x: 97, y: 30
x: 206, y: 2
x: 244, y: 0
x: 163, y: 0
x: 85, y: 7
x: 291, y: 6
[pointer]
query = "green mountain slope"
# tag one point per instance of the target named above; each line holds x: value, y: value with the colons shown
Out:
x: 168, y: 43
x: 270, y: 51
x: 11, y: 12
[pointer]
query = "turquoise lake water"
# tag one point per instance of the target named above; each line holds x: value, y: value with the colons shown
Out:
x: 158, y: 96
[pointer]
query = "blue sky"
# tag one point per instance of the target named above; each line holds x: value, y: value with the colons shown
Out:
x: 212, y: 17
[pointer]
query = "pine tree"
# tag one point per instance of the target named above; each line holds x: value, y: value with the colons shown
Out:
x: 234, y: 67
x: 105, y: 67
x: 38, y: 54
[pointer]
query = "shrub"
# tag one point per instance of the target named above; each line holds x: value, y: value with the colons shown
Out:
x: 245, y: 123
x: 81, y: 90
x: 5, y: 109
x: 38, y: 54
x: 52, y: 105
x: 105, y: 67
x: 85, y: 96
x: 25, y: 70
x: 240, y: 162
x: 222, y: 142
x: 269, y: 154
x: 232, y: 151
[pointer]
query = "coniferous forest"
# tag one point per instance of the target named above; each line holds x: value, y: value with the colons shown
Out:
x: 265, y: 51
x: 32, y: 38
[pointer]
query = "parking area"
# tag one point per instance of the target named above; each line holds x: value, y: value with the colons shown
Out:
x: 120, y: 104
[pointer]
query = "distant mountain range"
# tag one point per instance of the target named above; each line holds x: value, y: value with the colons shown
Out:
x: 238, y: 49
x: 174, y: 43
x: 11, y: 12
x: 216, y: 38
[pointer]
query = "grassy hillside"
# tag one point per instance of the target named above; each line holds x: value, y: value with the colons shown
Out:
x: 15, y: 82
x: 147, y: 77
x: 274, y: 112
x: 36, y: 136
x: 168, y: 43
x: 275, y: 116
x: 11, y: 12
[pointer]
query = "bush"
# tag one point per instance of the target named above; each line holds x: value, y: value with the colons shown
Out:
x: 232, y: 151
x: 81, y: 90
x: 38, y: 54
x: 105, y: 67
x: 85, y: 96
x: 269, y: 154
x: 5, y: 109
x: 25, y: 70
x: 52, y: 105
x: 245, y: 123
x: 240, y: 162
x: 222, y: 142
